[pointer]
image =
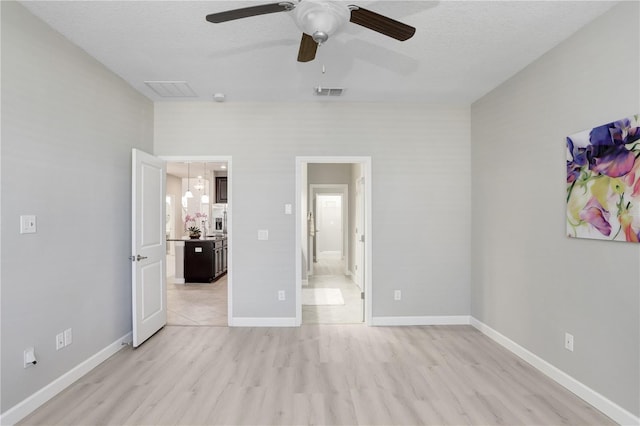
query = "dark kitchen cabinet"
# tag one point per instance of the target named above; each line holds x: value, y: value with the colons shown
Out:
x: 224, y: 256
x: 199, y: 262
x: 205, y: 260
x: 221, y: 189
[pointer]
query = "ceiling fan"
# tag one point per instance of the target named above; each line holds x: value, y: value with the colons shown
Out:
x: 319, y: 19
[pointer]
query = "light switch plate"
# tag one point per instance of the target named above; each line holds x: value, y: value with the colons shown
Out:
x: 59, y: 341
x: 68, y: 337
x: 263, y: 234
x: 287, y: 209
x: 28, y: 224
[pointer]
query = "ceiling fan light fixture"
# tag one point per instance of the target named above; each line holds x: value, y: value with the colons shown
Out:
x: 321, y: 20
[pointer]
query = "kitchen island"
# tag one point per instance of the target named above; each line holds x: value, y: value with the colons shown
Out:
x: 200, y: 260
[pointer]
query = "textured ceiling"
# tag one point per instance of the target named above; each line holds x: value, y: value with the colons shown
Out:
x: 461, y: 50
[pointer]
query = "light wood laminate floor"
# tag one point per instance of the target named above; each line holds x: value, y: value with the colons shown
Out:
x: 332, y: 375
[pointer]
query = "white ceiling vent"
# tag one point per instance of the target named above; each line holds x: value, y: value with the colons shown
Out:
x: 171, y: 89
x: 328, y: 91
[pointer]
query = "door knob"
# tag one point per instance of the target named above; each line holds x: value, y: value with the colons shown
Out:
x: 138, y: 258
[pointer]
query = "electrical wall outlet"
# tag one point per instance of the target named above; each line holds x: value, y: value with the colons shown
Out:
x: 397, y: 295
x: 68, y: 337
x: 281, y: 295
x: 568, y: 341
x: 29, y: 357
x: 28, y: 224
x: 59, y: 341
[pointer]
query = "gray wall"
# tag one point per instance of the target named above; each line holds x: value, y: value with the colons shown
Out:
x: 329, y: 173
x: 530, y: 282
x: 68, y: 126
x: 421, y: 200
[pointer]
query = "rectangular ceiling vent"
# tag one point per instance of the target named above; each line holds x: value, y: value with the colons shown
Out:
x: 328, y: 91
x: 171, y: 89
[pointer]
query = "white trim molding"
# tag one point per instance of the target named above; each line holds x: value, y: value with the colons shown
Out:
x: 608, y: 407
x: 27, y: 406
x: 423, y: 320
x: 263, y: 322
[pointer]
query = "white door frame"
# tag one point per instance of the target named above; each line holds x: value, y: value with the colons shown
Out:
x: 366, y: 171
x: 227, y: 159
x: 358, y: 251
x: 341, y: 190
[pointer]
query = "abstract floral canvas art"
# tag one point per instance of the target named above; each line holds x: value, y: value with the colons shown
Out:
x: 603, y: 182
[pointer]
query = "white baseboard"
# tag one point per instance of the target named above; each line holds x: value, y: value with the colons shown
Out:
x: 22, y: 409
x: 178, y: 281
x: 608, y: 407
x: 425, y: 320
x: 263, y: 322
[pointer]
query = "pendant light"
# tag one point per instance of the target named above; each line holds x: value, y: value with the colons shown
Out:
x: 205, y: 198
x: 188, y: 194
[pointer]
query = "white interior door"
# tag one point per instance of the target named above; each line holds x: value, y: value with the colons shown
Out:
x: 149, y: 295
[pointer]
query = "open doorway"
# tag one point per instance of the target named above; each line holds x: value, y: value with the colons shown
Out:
x: 198, y: 241
x: 331, y: 248
x: 329, y: 215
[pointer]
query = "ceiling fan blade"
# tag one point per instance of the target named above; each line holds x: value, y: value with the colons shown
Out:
x: 246, y: 12
x: 308, y: 48
x: 380, y: 23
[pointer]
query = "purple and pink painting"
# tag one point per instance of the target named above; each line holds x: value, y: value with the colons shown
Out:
x: 603, y: 182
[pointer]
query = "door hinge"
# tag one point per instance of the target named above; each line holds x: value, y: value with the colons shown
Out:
x: 362, y: 295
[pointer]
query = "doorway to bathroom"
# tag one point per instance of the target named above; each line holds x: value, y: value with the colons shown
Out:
x: 329, y: 244
x: 333, y: 284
